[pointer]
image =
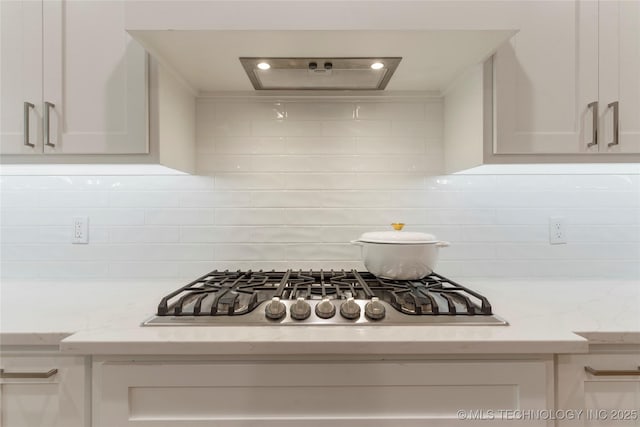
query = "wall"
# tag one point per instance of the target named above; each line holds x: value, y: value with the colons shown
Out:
x: 288, y: 184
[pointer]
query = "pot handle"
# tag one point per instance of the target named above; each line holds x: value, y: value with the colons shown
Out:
x: 443, y: 244
x: 356, y: 242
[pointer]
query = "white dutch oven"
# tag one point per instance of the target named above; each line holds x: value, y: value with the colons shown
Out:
x: 399, y: 255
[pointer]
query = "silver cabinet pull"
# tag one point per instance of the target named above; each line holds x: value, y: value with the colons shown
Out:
x: 47, y: 133
x: 612, y: 373
x: 47, y: 374
x: 594, y: 127
x: 615, y: 141
x: 27, y: 106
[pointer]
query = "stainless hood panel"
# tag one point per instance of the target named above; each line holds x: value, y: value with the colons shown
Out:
x: 330, y: 74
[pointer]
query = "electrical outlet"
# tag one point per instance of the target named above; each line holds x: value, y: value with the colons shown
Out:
x: 80, y: 233
x: 557, y: 232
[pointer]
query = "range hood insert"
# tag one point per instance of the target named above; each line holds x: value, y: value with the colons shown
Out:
x: 320, y: 73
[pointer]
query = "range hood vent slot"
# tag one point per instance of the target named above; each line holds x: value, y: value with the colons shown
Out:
x: 320, y: 73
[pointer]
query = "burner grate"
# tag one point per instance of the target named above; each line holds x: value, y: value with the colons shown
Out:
x: 234, y: 293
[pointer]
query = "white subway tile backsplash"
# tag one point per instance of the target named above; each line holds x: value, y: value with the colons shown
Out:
x: 388, y: 181
x: 250, y: 181
x: 244, y: 145
x: 416, y: 129
x: 460, y: 216
x: 315, y: 252
x: 319, y: 145
x: 72, y: 199
x: 207, y: 199
x: 160, y: 252
x: 143, y: 199
x: 288, y: 183
x: 145, y: 270
x: 23, y: 234
x: 320, y: 111
x: 62, y: 235
x: 506, y: 233
x: 390, y: 145
x: 157, y: 183
x: 186, y: 216
x: 146, y: 234
x: 248, y: 252
x: 251, y: 216
x: 391, y: 110
x: 604, y: 233
x: 72, y: 270
x: 18, y: 199
x: 349, y: 199
x: 232, y: 128
x: 284, y: 199
x: 287, y: 234
x: 216, y: 234
x: 356, y: 128
x: 56, y: 216
x: 226, y: 110
x: 468, y: 251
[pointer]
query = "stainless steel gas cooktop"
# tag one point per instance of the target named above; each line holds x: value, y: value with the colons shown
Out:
x: 321, y: 298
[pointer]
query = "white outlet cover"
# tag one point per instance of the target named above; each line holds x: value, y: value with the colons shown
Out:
x: 80, y: 230
x: 557, y: 230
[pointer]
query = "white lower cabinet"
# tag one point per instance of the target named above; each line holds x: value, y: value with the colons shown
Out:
x: 199, y: 393
x: 608, y: 393
x: 43, y: 390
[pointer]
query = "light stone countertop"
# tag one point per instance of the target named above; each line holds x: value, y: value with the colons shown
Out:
x: 93, y: 317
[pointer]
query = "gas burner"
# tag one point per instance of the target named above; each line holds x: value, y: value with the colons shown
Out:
x: 321, y: 297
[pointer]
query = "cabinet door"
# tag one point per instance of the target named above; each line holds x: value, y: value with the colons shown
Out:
x: 545, y: 77
x: 606, y: 400
x: 21, y: 76
x: 95, y: 77
x: 620, y: 75
x: 57, y: 401
x: 317, y: 394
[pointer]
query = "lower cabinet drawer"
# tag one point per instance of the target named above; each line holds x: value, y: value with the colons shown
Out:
x: 163, y: 394
x: 43, y: 390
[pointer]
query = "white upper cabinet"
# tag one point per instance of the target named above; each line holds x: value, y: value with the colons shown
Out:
x: 21, y: 77
x: 559, y: 82
x: 545, y: 78
x: 87, y: 80
x: 619, y: 28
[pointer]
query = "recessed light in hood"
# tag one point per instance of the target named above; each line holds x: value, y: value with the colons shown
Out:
x: 320, y: 73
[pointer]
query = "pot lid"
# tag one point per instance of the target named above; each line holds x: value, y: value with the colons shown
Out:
x: 397, y: 236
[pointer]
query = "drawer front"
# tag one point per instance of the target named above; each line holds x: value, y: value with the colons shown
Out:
x: 606, y: 395
x: 314, y: 394
x: 43, y: 391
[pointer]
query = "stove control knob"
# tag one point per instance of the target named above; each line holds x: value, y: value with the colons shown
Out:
x: 350, y: 309
x: 325, y: 309
x: 275, y: 310
x: 374, y: 309
x: 300, y: 309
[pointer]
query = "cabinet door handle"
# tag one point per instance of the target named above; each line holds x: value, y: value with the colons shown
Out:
x: 47, y: 134
x: 612, y: 372
x: 47, y: 374
x: 615, y: 141
x: 27, y: 106
x: 594, y: 127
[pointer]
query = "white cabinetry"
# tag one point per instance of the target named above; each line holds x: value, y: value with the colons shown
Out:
x: 609, y: 395
x: 570, y: 62
x: 619, y: 71
x: 42, y: 390
x: 182, y: 393
x: 83, y: 74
